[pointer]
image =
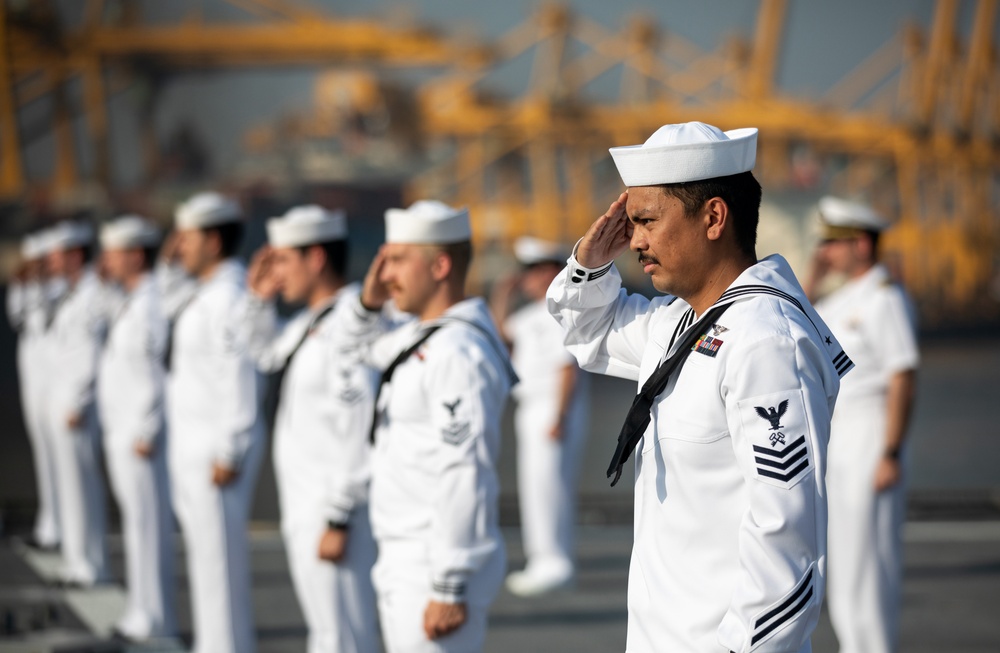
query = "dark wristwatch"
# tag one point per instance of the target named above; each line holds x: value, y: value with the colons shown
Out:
x: 336, y: 525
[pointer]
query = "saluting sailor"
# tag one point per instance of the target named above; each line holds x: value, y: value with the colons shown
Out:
x: 130, y: 404
x: 445, y: 380
x: 738, y: 379
x: 321, y: 449
x: 550, y: 420
x: 73, y: 342
x: 873, y: 318
x: 215, y: 434
x: 29, y: 301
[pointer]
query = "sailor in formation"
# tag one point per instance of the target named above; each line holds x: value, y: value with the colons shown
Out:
x: 874, y: 319
x: 550, y: 420
x: 73, y: 346
x: 321, y: 448
x: 130, y: 404
x: 445, y: 380
x: 215, y: 433
x: 30, y: 296
x: 738, y: 377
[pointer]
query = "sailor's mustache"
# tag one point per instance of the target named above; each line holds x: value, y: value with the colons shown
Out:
x: 643, y: 260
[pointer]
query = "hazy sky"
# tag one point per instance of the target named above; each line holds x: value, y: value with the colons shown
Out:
x: 823, y: 41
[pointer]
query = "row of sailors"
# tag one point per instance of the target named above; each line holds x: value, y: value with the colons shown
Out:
x: 734, y: 448
x: 159, y: 364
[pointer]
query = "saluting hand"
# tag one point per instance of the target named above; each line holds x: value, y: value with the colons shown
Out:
x: 374, y: 293
x: 443, y: 618
x: 170, y: 250
x: 607, y: 238
x: 260, y: 275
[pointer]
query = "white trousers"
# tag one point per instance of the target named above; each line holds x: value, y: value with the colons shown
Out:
x: 81, y: 495
x: 46, y: 529
x: 547, y: 472
x: 864, y: 577
x: 403, y: 584
x: 141, y: 489
x: 214, y: 524
x: 337, y: 600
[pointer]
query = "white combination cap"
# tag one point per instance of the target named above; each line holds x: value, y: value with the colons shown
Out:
x: 689, y: 151
x: 427, y: 222
x: 129, y: 231
x: 530, y: 251
x: 67, y: 235
x: 207, y: 210
x: 847, y: 214
x: 31, y: 246
x: 307, y: 225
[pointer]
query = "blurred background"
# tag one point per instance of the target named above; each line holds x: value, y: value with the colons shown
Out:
x: 113, y: 106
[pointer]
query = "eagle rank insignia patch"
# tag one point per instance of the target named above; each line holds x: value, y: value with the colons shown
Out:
x: 778, y: 437
x: 457, y: 427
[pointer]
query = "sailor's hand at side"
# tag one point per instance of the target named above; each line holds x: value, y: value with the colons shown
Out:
x: 333, y: 544
x: 607, y: 238
x: 222, y: 475
x: 374, y: 293
x: 443, y: 618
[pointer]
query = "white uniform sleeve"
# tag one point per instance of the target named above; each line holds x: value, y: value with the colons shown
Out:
x: 176, y: 288
x: 82, y: 350
x: 352, y: 387
x: 237, y: 378
x: 17, y: 305
x: 891, y: 330
x: 150, y: 377
x: 778, y: 412
x: 606, y: 328
x: 261, y: 331
x: 459, y: 399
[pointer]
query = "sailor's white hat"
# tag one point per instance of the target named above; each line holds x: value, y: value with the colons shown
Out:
x: 689, y: 151
x: 307, y: 225
x: 68, y: 234
x: 531, y: 251
x: 838, y: 215
x: 129, y: 231
x: 209, y: 209
x: 427, y: 222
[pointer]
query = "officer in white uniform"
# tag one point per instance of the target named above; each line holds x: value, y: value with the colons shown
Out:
x: 130, y: 390
x: 550, y: 421
x: 215, y: 434
x: 873, y: 318
x: 321, y: 448
x: 434, y: 487
x: 28, y: 304
x: 74, y: 340
x: 739, y: 377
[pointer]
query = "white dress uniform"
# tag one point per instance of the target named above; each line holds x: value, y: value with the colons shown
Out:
x: 873, y: 319
x: 73, y: 344
x: 27, y: 312
x: 321, y: 462
x: 547, y: 469
x: 130, y: 404
x: 434, y: 485
x: 213, y: 417
x: 730, y: 503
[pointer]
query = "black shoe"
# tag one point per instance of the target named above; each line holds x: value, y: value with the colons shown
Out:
x: 33, y: 543
x: 118, y: 636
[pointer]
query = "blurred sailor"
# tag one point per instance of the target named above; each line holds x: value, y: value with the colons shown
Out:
x: 873, y: 318
x: 445, y: 380
x: 738, y: 379
x: 29, y: 300
x: 321, y: 449
x: 74, y: 340
x: 550, y: 421
x: 215, y: 435
x: 130, y: 405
